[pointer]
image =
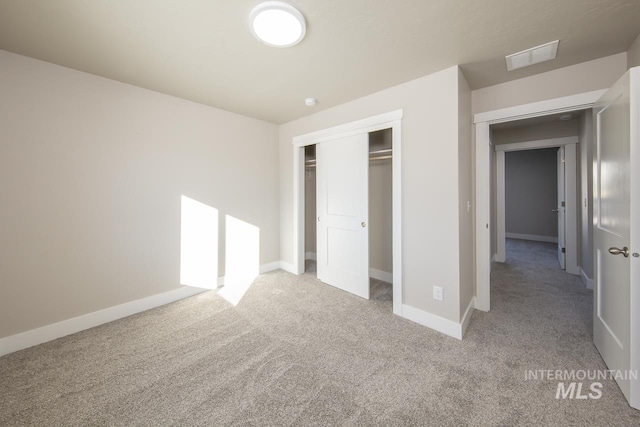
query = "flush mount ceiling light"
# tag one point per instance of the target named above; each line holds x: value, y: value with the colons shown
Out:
x: 277, y: 24
x: 566, y: 117
x: 534, y: 55
x: 310, y: 102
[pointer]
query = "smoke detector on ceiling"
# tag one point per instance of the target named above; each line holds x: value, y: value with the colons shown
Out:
x: 534, y: 55
x: 310, y: 102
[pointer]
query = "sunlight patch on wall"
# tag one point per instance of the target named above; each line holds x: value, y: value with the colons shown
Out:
x: 198, y: 244
x: 242, y: 254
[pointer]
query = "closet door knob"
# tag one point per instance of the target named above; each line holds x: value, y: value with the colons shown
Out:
x: 363, y: 224
x: 318, y: 218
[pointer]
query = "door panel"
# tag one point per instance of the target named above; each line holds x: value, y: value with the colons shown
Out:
x: 611, y: 325
x: 342, y: 207
x: 561, y: 210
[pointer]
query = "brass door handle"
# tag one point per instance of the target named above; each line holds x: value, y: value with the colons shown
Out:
x: 617, y: 251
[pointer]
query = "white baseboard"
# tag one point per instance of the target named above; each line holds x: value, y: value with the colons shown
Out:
x: 289, y: 268
x: 71, y: 326
x: 440, y: 324
x: 533, y: 237
x: 585, y: 279
x: 381, y: 275
x: 272, y: 266
x: 310, y: 255
x: 466, y: 318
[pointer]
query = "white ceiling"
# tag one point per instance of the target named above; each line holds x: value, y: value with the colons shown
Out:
x: 202, y: 50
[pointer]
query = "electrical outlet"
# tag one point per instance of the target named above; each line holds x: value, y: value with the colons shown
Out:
x: 438, y: 293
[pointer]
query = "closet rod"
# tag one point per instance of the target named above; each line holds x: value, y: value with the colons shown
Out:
x: 386, y: 150
x: 313, y: 165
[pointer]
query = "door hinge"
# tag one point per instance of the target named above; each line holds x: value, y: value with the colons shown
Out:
x: 563, y: 204
x: 564, y: 250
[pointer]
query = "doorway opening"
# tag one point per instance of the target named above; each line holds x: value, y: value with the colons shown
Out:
x: 340, y: 142
x: 541, y: 179
x: 380, y: 209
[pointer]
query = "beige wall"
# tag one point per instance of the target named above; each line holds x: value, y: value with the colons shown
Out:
x: 633, y: 54
x: 91, y: 175
x: 584, y: 77
x: 536, y: 132
x: 310, y: 210
x: 531, y: 192
x: 380, y: 215
x: 465, y: 189
x: 430, y: 182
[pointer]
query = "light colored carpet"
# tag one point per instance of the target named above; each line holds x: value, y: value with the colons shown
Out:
x: 298, y: 352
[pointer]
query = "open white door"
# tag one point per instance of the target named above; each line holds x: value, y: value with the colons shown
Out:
x: 561, y: 209
x: 613, y: 296
x: 342, y: 198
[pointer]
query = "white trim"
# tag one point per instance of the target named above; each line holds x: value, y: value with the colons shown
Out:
x: 483, y: 181
x: 537, y: 145
x: 571, y: 208
x: 501, y: 222
x: 396, y: 194
x: 369, y: 124
x: 532, y: 237
x: 289, y: 268
x: 581, y: 101
x: 493, y: 259
x: 571, y: 185
x: 468, y: 313
x: 588, y: 283
x: 483, y: 217
x: 311, y: 256
x: 634, y: 190
x: 440, y: 324
x: 391, y: 120
x: 71, y: 326
x: 265, y: 268
x: 381, y: 275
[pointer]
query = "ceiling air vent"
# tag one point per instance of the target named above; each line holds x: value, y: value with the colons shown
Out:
x: 534, y: 55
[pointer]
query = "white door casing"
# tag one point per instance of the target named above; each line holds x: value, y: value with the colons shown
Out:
x: 342, y: 209
x: 612, y: 211
x: 560, y: 208
x: 388, y: 120
x: 482, y: 121
x: 571, y: 189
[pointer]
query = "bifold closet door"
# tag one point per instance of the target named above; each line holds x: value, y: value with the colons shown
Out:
x: 342, y: 199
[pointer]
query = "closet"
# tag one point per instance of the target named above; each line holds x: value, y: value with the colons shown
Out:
x: 379, y: 227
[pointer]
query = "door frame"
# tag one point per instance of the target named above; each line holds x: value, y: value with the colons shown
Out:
x: 482, y: 121
x: 571, y: 184
x: 634, y: 147
x: 391, y: 120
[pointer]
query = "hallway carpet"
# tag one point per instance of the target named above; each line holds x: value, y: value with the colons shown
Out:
x: 298, y: 352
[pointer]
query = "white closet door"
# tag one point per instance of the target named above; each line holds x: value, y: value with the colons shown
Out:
x: 342, y: 208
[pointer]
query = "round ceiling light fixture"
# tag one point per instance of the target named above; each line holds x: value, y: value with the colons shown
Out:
x: 566, y: 117
x: 277, y: 24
